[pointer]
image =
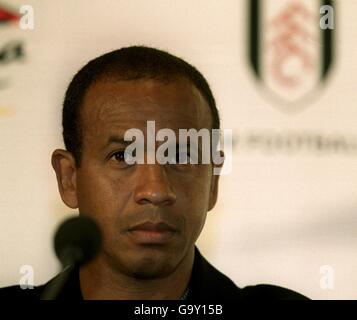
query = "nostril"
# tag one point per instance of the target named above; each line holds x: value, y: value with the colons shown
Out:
x: 154, y: 186
x: 149, y: 196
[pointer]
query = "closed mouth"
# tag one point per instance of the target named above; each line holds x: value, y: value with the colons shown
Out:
x: 153, y: 227
x: 152, y: 233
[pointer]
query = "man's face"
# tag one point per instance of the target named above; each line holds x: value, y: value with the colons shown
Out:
x: 171, y: 200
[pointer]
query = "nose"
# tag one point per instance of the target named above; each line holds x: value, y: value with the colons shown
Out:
x: 154, y: 186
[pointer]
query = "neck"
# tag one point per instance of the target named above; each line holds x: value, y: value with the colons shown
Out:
x: 98, y: 281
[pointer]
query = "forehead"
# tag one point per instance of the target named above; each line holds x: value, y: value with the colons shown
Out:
x: 114, y: 106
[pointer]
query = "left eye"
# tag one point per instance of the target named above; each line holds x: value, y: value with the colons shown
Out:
x: 123, y: 156
x: 119, y: 155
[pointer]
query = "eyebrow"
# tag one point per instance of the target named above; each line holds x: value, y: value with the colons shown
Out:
x: 120, y: 140
x: 117, y: 140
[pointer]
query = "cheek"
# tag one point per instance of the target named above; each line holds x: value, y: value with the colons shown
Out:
x: 197, y: 188
x: 195, y: 199
x: 99, y: 194
x: 195, y: 220
x: 104, y: 198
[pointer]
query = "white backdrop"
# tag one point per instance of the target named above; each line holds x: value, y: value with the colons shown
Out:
x: 287, y: 208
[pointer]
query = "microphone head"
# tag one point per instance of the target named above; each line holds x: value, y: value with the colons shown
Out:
x: 77, y: 241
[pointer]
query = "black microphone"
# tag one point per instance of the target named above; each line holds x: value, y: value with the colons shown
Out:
x: 77, y: 241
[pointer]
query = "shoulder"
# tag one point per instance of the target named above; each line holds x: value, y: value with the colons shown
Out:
x: 16, y: 292
x: 270, y: 292
x: 67, y: 281
x: 208, y: 283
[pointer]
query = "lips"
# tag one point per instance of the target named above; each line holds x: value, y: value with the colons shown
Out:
x: 152, y: 233
x: 150, y: 226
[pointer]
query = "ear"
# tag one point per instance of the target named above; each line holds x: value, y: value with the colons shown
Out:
x: 64, y: 165
x: 214, y: 182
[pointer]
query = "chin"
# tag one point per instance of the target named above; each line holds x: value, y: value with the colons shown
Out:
x: 151, y: 267
x: 144, y: 265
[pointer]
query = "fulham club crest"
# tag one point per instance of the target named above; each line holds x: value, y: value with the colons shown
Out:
x: 291, y: 48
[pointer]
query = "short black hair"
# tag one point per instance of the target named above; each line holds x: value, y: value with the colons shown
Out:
x: 129, y: 63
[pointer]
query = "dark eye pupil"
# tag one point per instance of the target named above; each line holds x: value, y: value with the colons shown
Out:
x: 119, y: 156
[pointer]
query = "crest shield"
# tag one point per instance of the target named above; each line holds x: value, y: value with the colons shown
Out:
x: 289, y: 52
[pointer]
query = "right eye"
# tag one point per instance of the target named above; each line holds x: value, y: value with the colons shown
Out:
x: 119, y: 155
x: 123, y: 156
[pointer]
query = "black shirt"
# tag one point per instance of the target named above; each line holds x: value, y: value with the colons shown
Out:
x: 206, y: 283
